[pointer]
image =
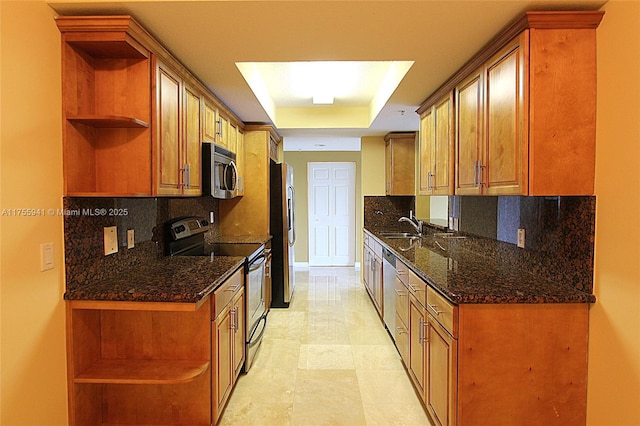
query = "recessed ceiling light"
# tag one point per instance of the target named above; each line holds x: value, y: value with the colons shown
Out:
x: 352, y: 92
x: 322, y: 99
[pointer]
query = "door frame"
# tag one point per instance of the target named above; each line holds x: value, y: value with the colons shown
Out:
x: 351, y: 238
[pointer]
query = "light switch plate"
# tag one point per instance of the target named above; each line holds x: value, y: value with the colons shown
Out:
x: 131, y: 241
x: 110, y: 240
x: 521, y: 237
x: 46, y: 256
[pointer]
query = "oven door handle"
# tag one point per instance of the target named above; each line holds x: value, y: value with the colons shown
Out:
x: 257, y: 262
x: 251, y: 341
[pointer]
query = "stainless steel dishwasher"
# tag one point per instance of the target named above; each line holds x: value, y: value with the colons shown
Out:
x: 389, y: 291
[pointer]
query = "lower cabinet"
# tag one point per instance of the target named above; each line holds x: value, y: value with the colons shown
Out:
x: 228, y: 339
x: 440, y: 373
x: 440, y: 358
x: 417, y: 345
x: 372, y: 273
x: 138, y: 363
x: 478, y: 364
x: 401, y: 332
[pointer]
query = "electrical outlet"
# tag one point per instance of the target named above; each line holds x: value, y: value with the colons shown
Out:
x: 131, y: 241
x: 521, y: 237
x: 46, y: 256
x: 110, y: 240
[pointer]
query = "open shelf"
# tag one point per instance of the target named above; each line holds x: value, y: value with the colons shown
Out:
x: 142, y: 372
x: 109, y: 121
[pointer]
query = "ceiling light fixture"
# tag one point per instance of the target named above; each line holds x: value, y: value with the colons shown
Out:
x: 322, y: 99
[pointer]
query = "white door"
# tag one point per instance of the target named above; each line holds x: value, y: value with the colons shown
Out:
x: 331, y: 214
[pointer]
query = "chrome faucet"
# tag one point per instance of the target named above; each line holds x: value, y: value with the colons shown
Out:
x: 417, y: 224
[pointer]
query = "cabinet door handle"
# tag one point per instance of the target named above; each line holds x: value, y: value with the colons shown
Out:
x: 400, y: 293
x: 267, y: 269
x: 426, y: 325
x: 475, y: 173
x: 186, y: 176
x: 434, y: 308
x: 421, y: 331
x: 220, y: 130
x: 400, y: 330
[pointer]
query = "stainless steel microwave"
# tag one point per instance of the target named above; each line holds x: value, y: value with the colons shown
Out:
x: 219, y: 172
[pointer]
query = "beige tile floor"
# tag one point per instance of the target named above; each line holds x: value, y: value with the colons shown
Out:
x: 326, y: 360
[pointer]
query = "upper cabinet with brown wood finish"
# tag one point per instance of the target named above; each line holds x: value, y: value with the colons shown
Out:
x: 524, y: 118
x: 436, y: 148
x: 400, y: 163
x: 134, y: 116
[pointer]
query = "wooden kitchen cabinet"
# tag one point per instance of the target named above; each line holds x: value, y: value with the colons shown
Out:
x: 440, y: 373
x: 106, y: 115
x: 368, y: 258
x: 440, y: 358
x: 192, y: 147
x: 476, y: 364
x: 229, y: 339
x: 222, y: 133
x: 524, y: 121
x: 134, y: 117
x: 210, y: 121
x: 376, y: 277
x: 138, y: 363
x: 469, y: 102
x: 400, y: 163
x: 373, y: 272
x: 417, y: 345
x: 437, y: 148
x: 238, y: 215
x: 168, y: 134
x: 491, y: 122
x: 402, y: 332
x: 178, y: 155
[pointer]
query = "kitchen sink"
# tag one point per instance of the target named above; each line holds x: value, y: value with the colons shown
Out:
x: 449, y: 235
x: 398, y: 235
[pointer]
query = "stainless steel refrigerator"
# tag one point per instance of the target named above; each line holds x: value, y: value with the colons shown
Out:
x: 282, y: 226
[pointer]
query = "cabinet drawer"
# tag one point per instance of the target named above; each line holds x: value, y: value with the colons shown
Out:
x: 377, y: 248
x: 418, y: 287
x: 402, y: 340
x: 223, y: 294
x: 443, y: 311
x: 402, y: 301
x: 402, y: 271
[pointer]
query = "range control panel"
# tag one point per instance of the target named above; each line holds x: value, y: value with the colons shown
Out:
x: 188, y: 226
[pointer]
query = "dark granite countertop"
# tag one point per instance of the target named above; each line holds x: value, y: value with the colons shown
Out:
x: 465, y: 277
x: 185, y: 279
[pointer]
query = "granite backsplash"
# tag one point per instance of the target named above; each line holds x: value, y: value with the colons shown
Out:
x: 559, y: 231
x: 85, y: 218
x: 384, y: 212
